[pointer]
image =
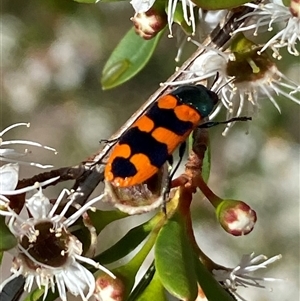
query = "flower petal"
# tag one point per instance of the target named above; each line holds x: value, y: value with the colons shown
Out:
x: 141, y: 6
x: 9, y: 176
x: 38, y: 205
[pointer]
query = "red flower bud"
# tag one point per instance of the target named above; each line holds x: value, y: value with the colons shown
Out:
x: 147, y: 25
x: 109, y: 289
x: 236, y: 217
x: 295, y: 8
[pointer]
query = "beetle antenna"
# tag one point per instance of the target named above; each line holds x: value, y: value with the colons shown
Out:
x: 210, y: 124
x: 215, y: 80
x: 227, y: 83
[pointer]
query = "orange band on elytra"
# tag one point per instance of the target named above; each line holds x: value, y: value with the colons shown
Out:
x: 186, y: 113
x: 167, y: 102
x: 144, y: 124
x: 167, y: 137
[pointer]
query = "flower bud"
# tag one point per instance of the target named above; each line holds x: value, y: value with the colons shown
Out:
x: 148, y: 24
x: 109, y: 289
x: 236, y: 217
x: 295, y: 8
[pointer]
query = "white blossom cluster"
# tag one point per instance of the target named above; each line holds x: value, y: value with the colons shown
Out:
x: 41, y: 227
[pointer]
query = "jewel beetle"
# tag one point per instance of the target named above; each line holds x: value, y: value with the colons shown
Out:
x: 148, y: 143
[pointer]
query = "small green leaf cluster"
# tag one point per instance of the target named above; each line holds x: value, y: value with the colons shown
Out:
x: 129, y: 57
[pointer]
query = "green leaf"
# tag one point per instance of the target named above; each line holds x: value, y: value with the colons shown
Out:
x: 38, y: 295
x: 206, y: 165
x: 210, y: 286
x: 154, y: 291
x: 174, y: 260
x: 219, y: 4
x: 127, y: 273
x: 100, y: 219
x: 143, y: 283
x: 81, y: 230
x: 83, y: 234
x: 180, y: 19
x: 128, y: 58
x: 7, y: 240
x: 125, y: 245
x: 95, y: 1
x: 35, y: 295
x: 86, y: 1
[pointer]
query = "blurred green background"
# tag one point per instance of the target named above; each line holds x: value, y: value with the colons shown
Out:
x: 52, y: 55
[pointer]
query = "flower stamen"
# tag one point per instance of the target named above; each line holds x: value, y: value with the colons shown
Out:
x: 58, y: 263
x: 238, y: 276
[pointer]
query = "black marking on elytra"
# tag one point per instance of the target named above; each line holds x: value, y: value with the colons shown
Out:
x: 123, y: 168
x: 144, y: 143
x: 166, y: 118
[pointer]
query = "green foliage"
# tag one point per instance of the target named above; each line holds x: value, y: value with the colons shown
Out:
x: 35, y: 295
x: 143, y: 283
x: 126, y: 244
x: 154, y: 291
x: 219, y: 4
x: 100, y: 219
x: 206, y: 165
x: 179, y: 268
x: 8, y: 240
x: 174, y: 260
x: 128, y: 271
x: 38, y: 295
x: 179, y: 18
x: 86, y: 1
x: 129, y: 57
x: 210, y: 286
x: 286, y: 2
x: 95, y: 1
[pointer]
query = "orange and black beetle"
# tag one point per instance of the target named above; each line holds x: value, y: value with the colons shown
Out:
x: 150, y: 141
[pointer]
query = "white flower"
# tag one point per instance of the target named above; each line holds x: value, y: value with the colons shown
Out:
x: 209, y: 20
x: 263, y: 80
x: 58, y: 263
x: 141, y: 6
x: 9, y: 154
x: 9, y: 174
x: 271, y: 13
x: 188, y: 13
x: 239, y: 276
